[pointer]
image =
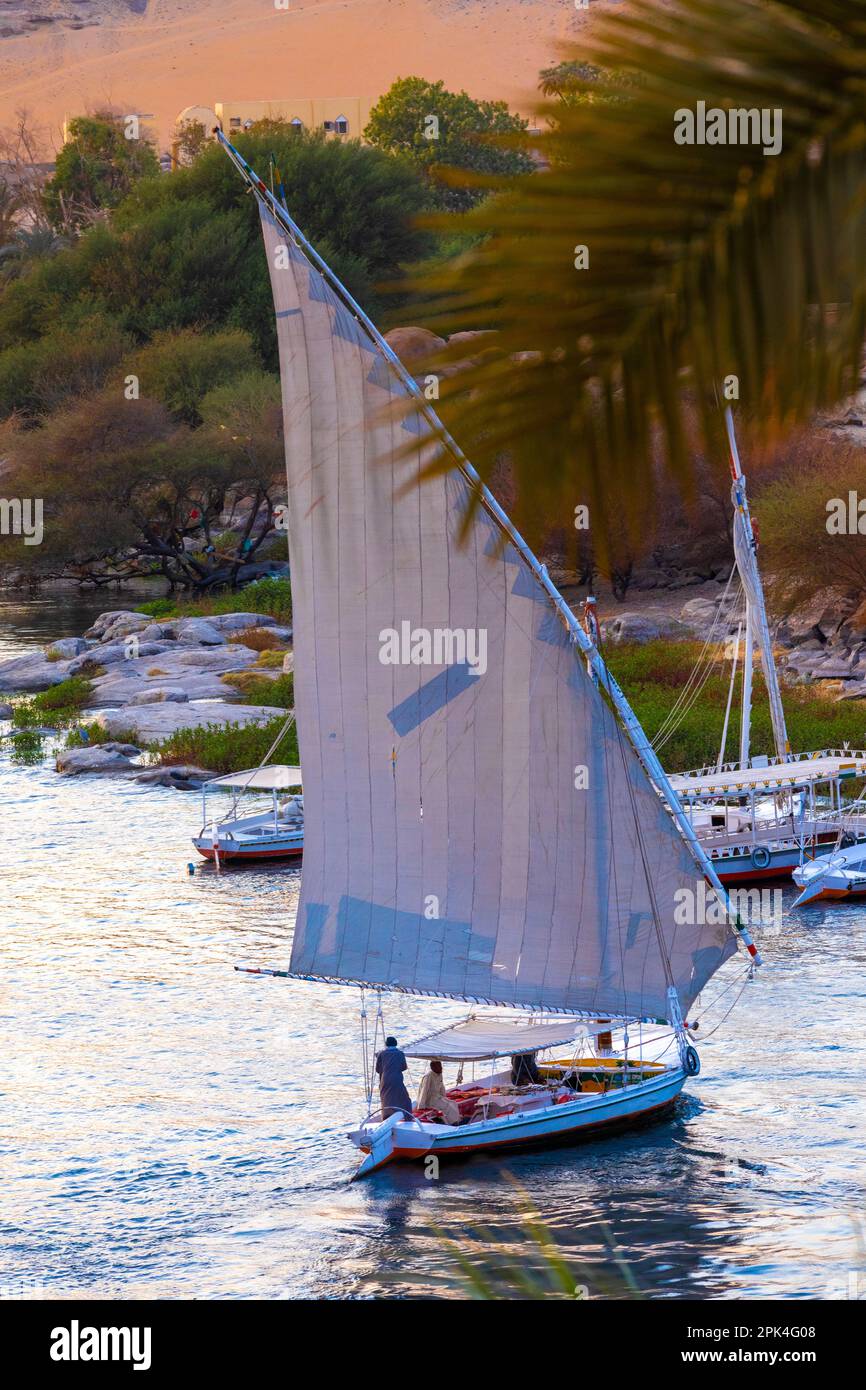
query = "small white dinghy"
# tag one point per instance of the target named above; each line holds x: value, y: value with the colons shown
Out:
x: 485, y: 819
x: 274, y: 833
x: 841, y: 874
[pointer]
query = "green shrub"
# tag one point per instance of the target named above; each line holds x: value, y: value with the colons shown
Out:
x: 228, y: 748
x: 272, y: 597
x: 83, y: 735
x: 58, y: 706
x: 159, y: 608
x: 264, y: 690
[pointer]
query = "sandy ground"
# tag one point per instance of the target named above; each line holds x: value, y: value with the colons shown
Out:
x: 184, y: 52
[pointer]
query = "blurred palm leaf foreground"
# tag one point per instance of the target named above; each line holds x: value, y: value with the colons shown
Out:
x: 635, y: 281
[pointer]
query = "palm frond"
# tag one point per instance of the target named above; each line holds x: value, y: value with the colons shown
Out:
x: 705, y: 262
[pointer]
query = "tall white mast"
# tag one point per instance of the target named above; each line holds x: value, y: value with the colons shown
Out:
x: 745, y: 548
x: 748, y: 666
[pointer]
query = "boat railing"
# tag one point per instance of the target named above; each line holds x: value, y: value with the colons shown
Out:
x: 776, y: 832
x: 374, y: 1118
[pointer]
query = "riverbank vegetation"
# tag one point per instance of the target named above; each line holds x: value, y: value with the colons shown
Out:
x: 55, y: 708
x: 218, y: 749
x: 270, y: 597
x: 654, y: 674
x: 139, y: 398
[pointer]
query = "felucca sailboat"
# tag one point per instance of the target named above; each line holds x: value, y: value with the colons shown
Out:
x: 485, y: 820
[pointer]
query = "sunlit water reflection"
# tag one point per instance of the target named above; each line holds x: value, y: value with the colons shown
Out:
x: 171, y: 1128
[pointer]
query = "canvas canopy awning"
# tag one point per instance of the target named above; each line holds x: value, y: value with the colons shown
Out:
x: 277, y: 777
x: 773, y: 778
x: 479, y: 1038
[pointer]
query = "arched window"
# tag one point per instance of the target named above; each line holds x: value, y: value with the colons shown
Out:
x: 297, y: 124
x: 342, y: 125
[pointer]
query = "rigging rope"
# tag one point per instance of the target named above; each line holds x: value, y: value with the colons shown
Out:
x: 746, y: 976
x: 700, y: 673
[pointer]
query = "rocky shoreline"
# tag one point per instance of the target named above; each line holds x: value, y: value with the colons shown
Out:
x: 151, y: 678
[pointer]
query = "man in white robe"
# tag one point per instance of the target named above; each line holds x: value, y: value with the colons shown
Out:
x: 431, y: 1094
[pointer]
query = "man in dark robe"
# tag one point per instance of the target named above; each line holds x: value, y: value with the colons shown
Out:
x: 390, y: 1066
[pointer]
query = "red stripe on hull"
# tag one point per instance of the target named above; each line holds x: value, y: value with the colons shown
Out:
x: 252, y: 854
x: 780, y: 871
x: 836, y: 893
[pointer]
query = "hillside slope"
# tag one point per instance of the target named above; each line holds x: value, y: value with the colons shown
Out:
x: 184, y: 52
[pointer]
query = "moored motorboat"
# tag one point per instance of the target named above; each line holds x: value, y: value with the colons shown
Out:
x: 840, y: 874
x: 275, y: 833
x: 761, y: 817
x: 766, y: 819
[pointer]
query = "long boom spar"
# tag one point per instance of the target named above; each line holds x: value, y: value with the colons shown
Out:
x: 631, y: 724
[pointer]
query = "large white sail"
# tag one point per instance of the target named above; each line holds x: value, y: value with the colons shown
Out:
x: 471, y: 805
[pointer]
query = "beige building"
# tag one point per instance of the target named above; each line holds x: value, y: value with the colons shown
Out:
x: 337, y: 116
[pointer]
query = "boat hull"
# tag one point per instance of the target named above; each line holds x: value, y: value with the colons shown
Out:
x: 586, y: 1117
x: 249, y: 853
x: 839, y: 877
x: 741, y: 867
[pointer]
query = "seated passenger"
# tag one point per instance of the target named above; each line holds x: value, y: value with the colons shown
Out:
x: 431, y: 1094
x: 524, y: 1072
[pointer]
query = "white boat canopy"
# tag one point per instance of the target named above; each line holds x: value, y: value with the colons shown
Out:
x: 477, y: 1038
x: 277, y: 777
x: 774, y: 777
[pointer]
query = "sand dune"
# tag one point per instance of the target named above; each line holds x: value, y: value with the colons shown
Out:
x: 184, y: 52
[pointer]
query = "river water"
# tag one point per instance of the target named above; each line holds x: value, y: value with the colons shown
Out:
x: 169, y: 1128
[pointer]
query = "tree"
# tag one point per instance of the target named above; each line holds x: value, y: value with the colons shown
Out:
x: 243, y: 420
x: 635, y: 278
x: 180, y: 368
x: 808, y: 496
x: 185, y: 251
x: 442, y: 132
x: 126, y: 490
x: 25, y: 158
x: 77, y: 359
x: 104, y: 155
x: 190, y: 138
x: 10, y: 208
